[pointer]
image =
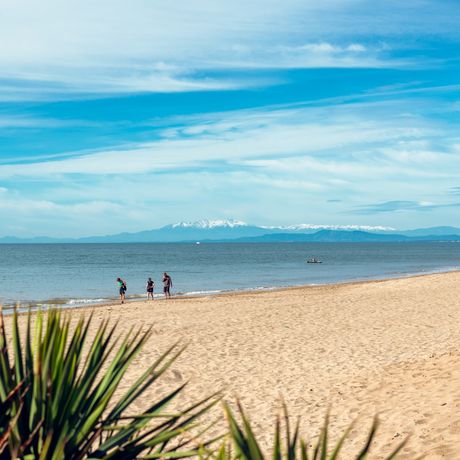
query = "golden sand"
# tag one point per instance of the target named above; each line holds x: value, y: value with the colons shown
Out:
x: 386, y: 347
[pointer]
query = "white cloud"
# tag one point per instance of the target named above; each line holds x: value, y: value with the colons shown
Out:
x: 310, y: 55
x: 249, y: 164
x: 335, y: 138
x: 286, y: 136
x: 320, y: 48
x: 30, y: 215
x: 52, y: 49
x: 16, y: 121
x: 251, y: 157
x: 51, y: 208
x: 356, y: 47
x: 61, y: 83
x: 325, y: 47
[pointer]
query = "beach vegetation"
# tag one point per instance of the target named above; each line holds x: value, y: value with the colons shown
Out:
x: 287, y: 443
x: 59, y: 400
x: 57, y: 395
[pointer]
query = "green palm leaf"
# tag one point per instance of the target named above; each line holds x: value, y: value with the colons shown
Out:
x: 64, y: 411
x: 292, y: 446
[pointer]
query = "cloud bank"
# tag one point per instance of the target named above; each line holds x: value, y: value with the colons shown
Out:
x: 55, y: 50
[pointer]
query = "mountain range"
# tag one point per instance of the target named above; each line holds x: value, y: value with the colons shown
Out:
x: 238, y: 231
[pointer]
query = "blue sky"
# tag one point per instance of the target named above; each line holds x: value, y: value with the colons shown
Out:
x: 124, y: 116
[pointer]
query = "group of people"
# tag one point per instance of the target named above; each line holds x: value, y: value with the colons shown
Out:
x: 167, y: 285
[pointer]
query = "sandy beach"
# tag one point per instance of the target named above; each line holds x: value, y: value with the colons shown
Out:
x: 382, y: 347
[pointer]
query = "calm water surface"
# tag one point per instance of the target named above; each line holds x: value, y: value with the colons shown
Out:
x: 76, y: 274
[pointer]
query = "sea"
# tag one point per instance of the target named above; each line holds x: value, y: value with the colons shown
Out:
x: 73, y: 275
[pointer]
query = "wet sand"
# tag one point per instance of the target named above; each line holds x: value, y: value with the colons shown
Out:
x: 388, y: 347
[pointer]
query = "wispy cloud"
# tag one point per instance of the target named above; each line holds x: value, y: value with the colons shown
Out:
x: 265, y: 117
x: 65, y: 84
x: 263, y: 139
x: 56, y: 50
x: 401, y: 206
x: 283, y: 153
x: 308, y: 56
x: 89, y: 81
x: 28, y: 122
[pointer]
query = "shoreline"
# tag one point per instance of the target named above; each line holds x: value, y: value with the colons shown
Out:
x: 387, y: 347
x: 34, y: 307
x: 77, y: 278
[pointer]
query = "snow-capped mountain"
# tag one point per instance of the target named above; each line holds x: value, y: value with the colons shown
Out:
x: 232, y: 223
x: 189, y: 231
x: 302, y: 227
x: 237, y: 230
x: 206, y: 224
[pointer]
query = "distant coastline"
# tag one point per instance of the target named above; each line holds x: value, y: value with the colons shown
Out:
x: 240, y: 232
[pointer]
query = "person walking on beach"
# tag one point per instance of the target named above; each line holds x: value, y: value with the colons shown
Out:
x: 122, y: 289
x: 149, y: 287
x: 167, y: 285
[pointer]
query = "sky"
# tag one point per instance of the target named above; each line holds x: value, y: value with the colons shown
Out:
x: 125, y: 116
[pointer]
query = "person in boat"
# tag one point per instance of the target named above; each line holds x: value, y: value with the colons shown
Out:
x: 150, y: 286
x: 121, y: 289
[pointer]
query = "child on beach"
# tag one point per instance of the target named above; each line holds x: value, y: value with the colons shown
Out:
x: 149, y: 287
x: 122, y: 289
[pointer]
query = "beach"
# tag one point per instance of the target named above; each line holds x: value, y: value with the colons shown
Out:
x: 388, y: 348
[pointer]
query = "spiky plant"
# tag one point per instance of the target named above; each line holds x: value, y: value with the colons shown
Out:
x: 9, y: 413
x: 57, y: 395
x: 57, y: 402
x: 244, y: 445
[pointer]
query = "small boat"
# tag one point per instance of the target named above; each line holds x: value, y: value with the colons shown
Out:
x: 314, y: 261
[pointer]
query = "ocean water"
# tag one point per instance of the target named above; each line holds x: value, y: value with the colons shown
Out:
x: 79, y: 274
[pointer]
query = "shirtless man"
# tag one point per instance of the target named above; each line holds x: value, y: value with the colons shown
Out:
x: 167, y: 285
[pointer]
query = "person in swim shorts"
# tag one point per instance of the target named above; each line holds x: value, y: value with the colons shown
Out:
x: 167, y: 285
x: 149, y: 288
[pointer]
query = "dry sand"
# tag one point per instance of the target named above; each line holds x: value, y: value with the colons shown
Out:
x: 388, y: 347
